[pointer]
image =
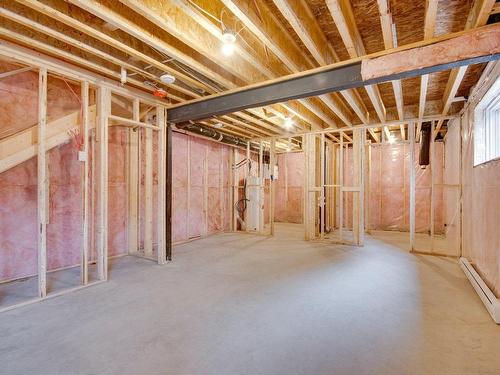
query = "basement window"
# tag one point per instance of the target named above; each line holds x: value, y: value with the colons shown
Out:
x: 487, y: 126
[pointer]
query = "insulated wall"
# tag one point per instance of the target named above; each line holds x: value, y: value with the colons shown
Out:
x: 481, y: 208
x: 289, y: 198
x: 18, y: 177
x: 200, y: 187
x: 388, y: 189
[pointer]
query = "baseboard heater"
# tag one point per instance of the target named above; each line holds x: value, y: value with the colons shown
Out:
x: 490, y: 301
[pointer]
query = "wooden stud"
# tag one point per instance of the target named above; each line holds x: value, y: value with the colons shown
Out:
x: 341, y: 190
x: 162, y: 124
x: 433, y: 201
x: 103, y: 111
x: 148, y: 193
x: 272, y: 197
x: 133, y: 183
x: 84, y: 274
x: 168, y: 191
x: 322, y: 197
x: 42, y: 183
x: 411, y: 169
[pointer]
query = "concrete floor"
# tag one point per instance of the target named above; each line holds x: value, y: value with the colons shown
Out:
x: 244, y: 304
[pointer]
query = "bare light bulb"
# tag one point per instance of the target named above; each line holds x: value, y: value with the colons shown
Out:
x: 288, y: 123
x: 227, y: 49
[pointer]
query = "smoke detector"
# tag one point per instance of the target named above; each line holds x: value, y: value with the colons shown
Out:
x: 167, y: 78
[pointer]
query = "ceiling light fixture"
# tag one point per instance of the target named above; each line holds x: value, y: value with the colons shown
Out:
x: 288, y: 123
x: 228, y: 40
x: 218, y: 125
x: 391, y: 139
x: 167, y: 78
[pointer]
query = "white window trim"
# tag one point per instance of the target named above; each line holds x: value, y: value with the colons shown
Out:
x: 487, y: 134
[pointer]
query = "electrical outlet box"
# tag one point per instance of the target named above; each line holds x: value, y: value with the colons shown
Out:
x: 82, y: 156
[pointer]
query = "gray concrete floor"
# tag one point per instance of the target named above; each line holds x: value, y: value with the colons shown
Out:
x: 244, y: 304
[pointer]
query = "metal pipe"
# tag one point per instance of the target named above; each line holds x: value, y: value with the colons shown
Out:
x: 208, y: 132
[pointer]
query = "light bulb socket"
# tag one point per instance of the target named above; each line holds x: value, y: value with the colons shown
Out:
x: 228, y: 36
x: 167, y: 78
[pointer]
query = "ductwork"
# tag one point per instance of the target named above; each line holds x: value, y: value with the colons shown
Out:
x: 212, y: 134
x: 425, y: 143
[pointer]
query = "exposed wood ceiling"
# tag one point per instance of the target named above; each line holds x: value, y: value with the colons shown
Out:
x: 275, y: 38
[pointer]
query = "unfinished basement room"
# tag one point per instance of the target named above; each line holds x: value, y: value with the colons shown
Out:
x: 229, y: 187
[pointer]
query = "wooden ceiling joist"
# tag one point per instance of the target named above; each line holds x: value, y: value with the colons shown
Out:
x: 343, y: 17
x: 302, y: 20
x: 268, y: 29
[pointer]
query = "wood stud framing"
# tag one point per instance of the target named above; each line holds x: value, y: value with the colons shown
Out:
x: 317, y: 119
x: 42, y: 183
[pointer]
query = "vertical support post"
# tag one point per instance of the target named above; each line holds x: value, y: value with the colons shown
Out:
x: 42, y: 183
x: 84, y: 268
x: 148, y: 192
x: 341, y: 189
x: 322, y: 185
x: 103, y: 110
x: 205, y: 192
x: 309, y: 186
x: 248, y: 173
x: 356, y: 182
x: 168, y: 191
x: 433, y: 202
x: 362, y: 139
x: 161, y: 123
x: 272, y: 200
x: 261, y: 195
x: 368, y: 170
x: 411, y: 169
x: 235, y: 183
x: 133, y: 183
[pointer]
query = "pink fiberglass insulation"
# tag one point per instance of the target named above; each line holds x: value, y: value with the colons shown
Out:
x: 20, y: 92
x: 180, y: 171
x: 64, y: 228
x: 18, y: 185
x: 200, y: 187
x: 18, y: 228
x: 289, y: 188
x: 389, y: 189
x: 117, y: 191
x: 480, y: 209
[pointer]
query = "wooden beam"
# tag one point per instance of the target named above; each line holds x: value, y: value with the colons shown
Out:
x: 42, y: 184
x: 15, y: 71
x: 408, y: 61
x: 83, y: 27
x: 85, y: 47
x: 478, y: 16
x: 96, y: 8
x: 72, y: 71
x: 101, y: 36
x: 22, y: 146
